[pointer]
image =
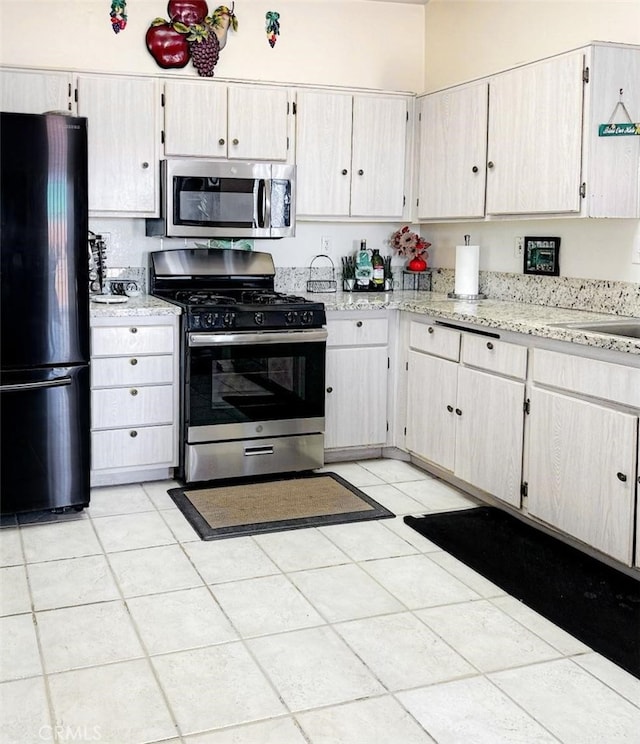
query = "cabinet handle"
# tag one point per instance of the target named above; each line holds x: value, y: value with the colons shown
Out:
x: 344, y: 171
x: 475, y: 169
x: 329, y: 389
x: 133, y: 330
x: 489, y: 345
x: 145, y: 165
x: 458, y: 412
x: 490, y: 164
x: 450, y: 409
x: 221, y: 141
x: 236, y: 142
x: 359, y: 324
x: 361, y: 172
x: 133, y: 434
x: 430, y: 329
x: 622, y: 477
x: 133, y: 392
x: 133, y: 362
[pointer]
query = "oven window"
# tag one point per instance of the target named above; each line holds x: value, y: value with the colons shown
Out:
x: 214, y: 202
x: 260, y: 382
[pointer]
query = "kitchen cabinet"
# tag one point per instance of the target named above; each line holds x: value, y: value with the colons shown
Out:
x: 583, y: 449
x: 350, y: 154
x: 213, y: 120
x: 543, y: 152
x: 452, y: 155
x: 356, y: 380
x: 465, y: 407
x: 35, y: 92
x: 124, y: 135
x: 134, y: 398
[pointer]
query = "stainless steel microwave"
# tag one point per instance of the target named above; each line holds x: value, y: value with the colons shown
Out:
x: 225, y: 199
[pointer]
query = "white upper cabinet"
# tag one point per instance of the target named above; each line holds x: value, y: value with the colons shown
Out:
x: 452, y: 155
x: 535, y: 138
x: 123, y: 133
x: 350, y: 153
x: 544, y: 155
x: 35, y: 92
x: 211, y: 120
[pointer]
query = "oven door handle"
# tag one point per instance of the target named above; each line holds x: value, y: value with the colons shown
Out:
x: 263, y: 337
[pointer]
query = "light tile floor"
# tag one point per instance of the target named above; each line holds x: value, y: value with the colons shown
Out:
x: 119, y: 625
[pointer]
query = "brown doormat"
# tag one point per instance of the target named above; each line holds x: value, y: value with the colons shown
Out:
x: 251, y: 506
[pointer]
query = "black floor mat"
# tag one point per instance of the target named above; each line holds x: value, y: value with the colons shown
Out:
x: 595, y: 603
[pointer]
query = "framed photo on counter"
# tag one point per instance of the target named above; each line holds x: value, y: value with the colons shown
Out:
x: 541, y: 256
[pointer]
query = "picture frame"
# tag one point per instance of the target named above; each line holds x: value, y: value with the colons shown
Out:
x: 541, y: 256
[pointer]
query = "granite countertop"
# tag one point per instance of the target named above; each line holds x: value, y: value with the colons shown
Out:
x: 520, y: 317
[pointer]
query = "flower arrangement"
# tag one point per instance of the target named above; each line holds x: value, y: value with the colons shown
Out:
x: 405, y: 242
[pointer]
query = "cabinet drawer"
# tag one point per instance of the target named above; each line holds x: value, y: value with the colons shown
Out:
x: 358, y: 332
x: 116, y: 371
x: 495, y: 356
x: 135, y: 406
x: 613, y: 382
x: 133, y: 339
x: 442, y: 342
x: 126, y: 448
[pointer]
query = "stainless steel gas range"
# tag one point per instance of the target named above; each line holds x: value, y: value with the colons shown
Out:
x: 252, y: 365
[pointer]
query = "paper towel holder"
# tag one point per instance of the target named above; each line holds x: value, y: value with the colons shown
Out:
x: 454, y: 296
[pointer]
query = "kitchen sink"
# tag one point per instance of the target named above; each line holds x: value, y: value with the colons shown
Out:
x: 627, y: 328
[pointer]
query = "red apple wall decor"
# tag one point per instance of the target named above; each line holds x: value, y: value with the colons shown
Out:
x: 190, y: 33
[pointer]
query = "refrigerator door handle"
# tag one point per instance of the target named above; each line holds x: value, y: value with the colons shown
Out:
x: 58, y: 382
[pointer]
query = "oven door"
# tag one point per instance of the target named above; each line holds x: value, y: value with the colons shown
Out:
x: 252, y: 385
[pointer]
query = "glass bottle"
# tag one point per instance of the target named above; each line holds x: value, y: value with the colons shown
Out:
x: 377, y: 264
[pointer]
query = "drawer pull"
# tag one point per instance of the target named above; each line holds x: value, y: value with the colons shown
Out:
x: 344, y: 171
x: 133, y: 392
x: 133, y: 330
x: 430, y: 329
x: 329, y: 389
x: 236, y: 141
x: 221, y: 141
x: 450, y: 409
x: 489, y: 345
x: 133, y: 362
x: 359, y: 324
x: 621, y: 477
x: 133, y: 434
x: 458, y: 412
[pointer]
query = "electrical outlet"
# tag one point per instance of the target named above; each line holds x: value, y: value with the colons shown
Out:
x: 518, y: 247
x: 325, y: 244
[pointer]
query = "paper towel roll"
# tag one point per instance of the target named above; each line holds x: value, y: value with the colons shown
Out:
x: 467, y: 269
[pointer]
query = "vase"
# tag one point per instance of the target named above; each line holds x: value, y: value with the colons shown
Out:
x: 417, y: 263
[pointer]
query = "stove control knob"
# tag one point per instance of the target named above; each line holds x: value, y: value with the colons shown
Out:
x: 228, y: 319
x: 290, y: 317
x: 207, y: 320
x: 259, y: 318
x: 306, y: 317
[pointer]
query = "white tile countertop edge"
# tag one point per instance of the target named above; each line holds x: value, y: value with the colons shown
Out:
x: 519, y: 317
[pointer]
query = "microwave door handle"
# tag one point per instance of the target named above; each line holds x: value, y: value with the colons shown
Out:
x: 260, y: 203
x: 267, y: 203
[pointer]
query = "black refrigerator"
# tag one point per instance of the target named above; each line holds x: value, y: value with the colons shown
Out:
x: 44, y: 321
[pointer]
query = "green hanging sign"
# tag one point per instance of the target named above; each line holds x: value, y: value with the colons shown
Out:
x: 625, y: 129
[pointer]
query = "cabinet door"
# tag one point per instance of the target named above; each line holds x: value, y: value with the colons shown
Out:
x: 535, y: 138
x: 453, y: 154
x: 431, y: 400
x: 323, y: 153
x: 257, y: 125
x: 123, y: 155
x: 489, y: 433
x: 378, y: 157
x: 195, y: 119
x: 356, y: 407
x: 581, y: 470
x: 35, y: 92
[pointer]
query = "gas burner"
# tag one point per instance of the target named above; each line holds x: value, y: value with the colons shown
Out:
x: 266, y: 297
x: 204, y: 298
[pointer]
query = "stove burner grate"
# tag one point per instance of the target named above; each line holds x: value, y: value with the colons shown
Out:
x: 204, y: 298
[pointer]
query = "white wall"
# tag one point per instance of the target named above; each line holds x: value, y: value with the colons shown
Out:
x: 465, y: 40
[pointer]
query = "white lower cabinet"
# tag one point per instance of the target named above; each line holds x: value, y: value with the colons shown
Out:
x: 134, y: 398
x: 463, y: 413
x: 583, y: 453
x: 356, y: 381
